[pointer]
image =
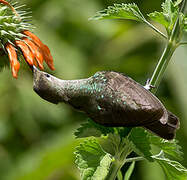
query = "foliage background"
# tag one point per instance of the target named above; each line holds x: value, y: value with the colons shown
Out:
x: 36, y: 137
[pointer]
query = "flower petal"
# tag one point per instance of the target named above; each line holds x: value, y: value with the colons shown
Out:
x: 36, y: 52
x: 45, y: 50
x: 28, y: 55
x: 34, y: 38
x: 15, y: 65
x: 48, y: 57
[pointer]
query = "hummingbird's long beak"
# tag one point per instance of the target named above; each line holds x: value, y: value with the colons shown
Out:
x: 36, y: 73
x: 47, y: 86
x: 34, y: 69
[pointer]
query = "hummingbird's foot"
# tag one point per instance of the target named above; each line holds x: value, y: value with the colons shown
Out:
x: 148, y: 86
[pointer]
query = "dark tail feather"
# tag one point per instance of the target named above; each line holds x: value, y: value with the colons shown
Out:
x: 166, y: 131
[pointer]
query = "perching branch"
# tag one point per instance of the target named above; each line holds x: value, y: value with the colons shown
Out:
x: 172, y: 43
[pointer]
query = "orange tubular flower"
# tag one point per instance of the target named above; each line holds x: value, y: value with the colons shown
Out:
x: 36, y: 52
x: 14, y: 37
x: 48, y: 57
x: 28, y: 55
x: 45, y: 50
x: 13, y: 59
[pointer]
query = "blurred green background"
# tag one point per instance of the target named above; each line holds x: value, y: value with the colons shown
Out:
x: 36, y: 137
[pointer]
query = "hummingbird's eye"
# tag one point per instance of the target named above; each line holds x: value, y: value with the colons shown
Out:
x: 47, y: 75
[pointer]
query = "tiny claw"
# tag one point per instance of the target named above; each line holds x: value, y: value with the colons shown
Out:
x: 148, y: 86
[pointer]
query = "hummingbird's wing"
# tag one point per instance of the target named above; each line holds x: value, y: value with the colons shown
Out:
x: 135, y: 105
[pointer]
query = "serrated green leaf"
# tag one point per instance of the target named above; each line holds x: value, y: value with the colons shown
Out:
x: 92, y: 161
x: 110, y: 143
x: 120, y: 11
x: 172, y: 169
x: 177, y: 2
x: 168, y: 8
x: 87, y: 130
x: 139, y: 140
x: 167, y: 17
x: 170, y: 148
x: 160, y: 18
x: 185, y: 23
x: 92, y: 129
x: 102, y: 170
x: 124, y: 131
x: 129, y: 171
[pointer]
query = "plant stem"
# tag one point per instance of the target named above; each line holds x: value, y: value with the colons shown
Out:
x: 135, y: 159
x: 114, y: 170
x: 120, y: 160
x: 183, y: 7
x: 183, y: 43
x: 162, y: 65
x: 155, y: 29
x: 142, y: 158
x: 119, y: 175
x: 172, y: 43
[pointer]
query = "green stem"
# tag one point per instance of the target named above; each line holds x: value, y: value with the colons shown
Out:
x: 142, y: 158
x: 114, y: 170
x: 183, y: 43
x: 162, y: 65
x: 172, y: 43
x: 135, y: 159
x: 119, y: 175
x: 120, y: 160
x: 155, y: 29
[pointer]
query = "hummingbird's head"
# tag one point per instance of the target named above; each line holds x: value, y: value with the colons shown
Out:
x: 46, y: 86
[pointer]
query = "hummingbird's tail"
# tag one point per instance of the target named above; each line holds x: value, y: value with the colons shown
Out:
x: 166, y: 131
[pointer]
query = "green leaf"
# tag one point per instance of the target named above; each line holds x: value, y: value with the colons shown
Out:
x: 103, y: 169
x: 185, y: 23
x: 160, y: 18
x: 170, y: 148
x: 124, y: 131
x: 167, y: 17
x: 92, y: 161
x: 92, y: 129
x: 172, y: 169
x: 120, y: 11
x: 129, y: 171
x: 177, y: 2
x: 110, y: 143
x: 140, y: 143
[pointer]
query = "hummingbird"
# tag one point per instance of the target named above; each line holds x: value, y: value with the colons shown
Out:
x: 111, y: 99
